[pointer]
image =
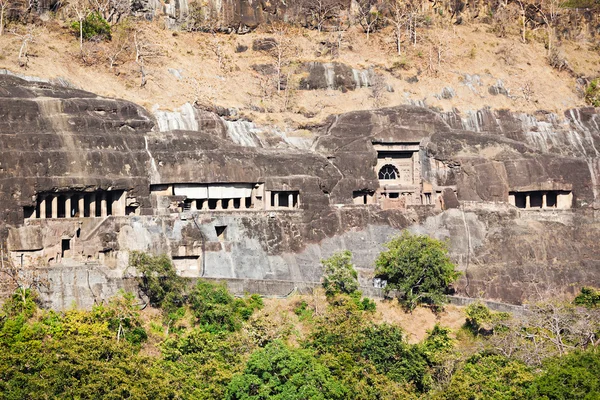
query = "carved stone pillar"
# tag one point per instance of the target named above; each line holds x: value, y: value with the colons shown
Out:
x: 54, y: 201
x: 92, y: 205
x: 81, y: 202
x: 103, y: 208
x: 43, y: 207
x: 68, y: 206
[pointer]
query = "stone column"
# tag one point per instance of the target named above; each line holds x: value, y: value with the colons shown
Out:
x: 219, y: 205
x: 68, y: 206
x: 544, y: 200
x: 276, y: 200
x: 527, y: 201
x: 242, y: 203
x: 118, y: 203
x: 54, y: 206
x: 43, y: 207
x: 291, y: 200
x: 92, y: 205
x: 205, y: 205
x: 103, y: 208
x: 81, y: 203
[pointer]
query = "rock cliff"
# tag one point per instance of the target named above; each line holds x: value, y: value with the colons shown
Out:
x: 85, y: 180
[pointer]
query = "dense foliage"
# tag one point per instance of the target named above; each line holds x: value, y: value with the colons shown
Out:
x: 339, y: 275
x: 222, y: 347
x: 418, y: 267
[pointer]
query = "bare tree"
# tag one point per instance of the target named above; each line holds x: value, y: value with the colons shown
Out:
x: 318, y: 12
x: 111, y: 10
x: 369, y: 16
x: 82, y: 9
x: 403, y: 16
x: 281, y: 52
x: 144, y: 51
x: 119, y: 45
x: 22, y: 278
x: 26, y: 39
x: 3, y: 7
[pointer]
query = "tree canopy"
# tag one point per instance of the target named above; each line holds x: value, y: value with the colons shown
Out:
x: 418, y: 267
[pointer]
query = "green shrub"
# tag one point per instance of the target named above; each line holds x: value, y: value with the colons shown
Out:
x: 22, y: 302
x: 574, y: 376
x: 217, y: 310
x: 592, y: 93
x: 489, y: 377
x: 94, y: 27
x: 588, y: 297
x: 418, y: 267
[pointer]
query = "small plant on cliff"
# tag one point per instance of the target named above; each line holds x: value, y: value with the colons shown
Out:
x: 339, y: 275
x: 592, y: 93
x: 418, y: 267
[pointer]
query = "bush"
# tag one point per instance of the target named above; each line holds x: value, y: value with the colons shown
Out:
x: 22, y: 302
x: 94, y: 27
x: 418, y: 267
x: 217, y: 310
x: 339, y: 275
x: 588, y: 297
x: 592, y: 93
x: 489, y: 377
x: 574, y: 376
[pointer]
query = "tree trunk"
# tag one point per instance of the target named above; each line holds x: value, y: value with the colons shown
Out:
x: 81, y: 35
x: 1, y: 20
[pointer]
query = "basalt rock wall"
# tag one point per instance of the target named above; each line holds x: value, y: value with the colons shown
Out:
x: 57, y: 140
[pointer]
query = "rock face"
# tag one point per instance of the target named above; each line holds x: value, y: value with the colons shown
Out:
x: 335, y: 76
x: 85, y: 180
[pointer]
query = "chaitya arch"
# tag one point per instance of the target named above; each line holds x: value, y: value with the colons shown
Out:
x: 388, y: 171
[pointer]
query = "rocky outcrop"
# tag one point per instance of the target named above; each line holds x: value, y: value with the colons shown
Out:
x: 483, y: 172
x: 336, y: 76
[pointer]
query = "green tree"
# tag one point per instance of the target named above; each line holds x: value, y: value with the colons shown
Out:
x: 385, y: 347
x: 123, y: 317
x: 92, y: 27
x: 574, y: 376
x: 216, y: 309
x: 159, y: 281
x: 418, y: 267
x: 489, y: 377
x: 339, y: 275
x: 588, y: 297
x: 279, y: 372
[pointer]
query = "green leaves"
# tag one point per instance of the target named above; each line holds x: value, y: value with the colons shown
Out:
x: 339, y: 275
x: 94, y: 26
x: 159, y: 281
x: 279, y: 372
x: 418, y: 267
x: 217, y: 310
